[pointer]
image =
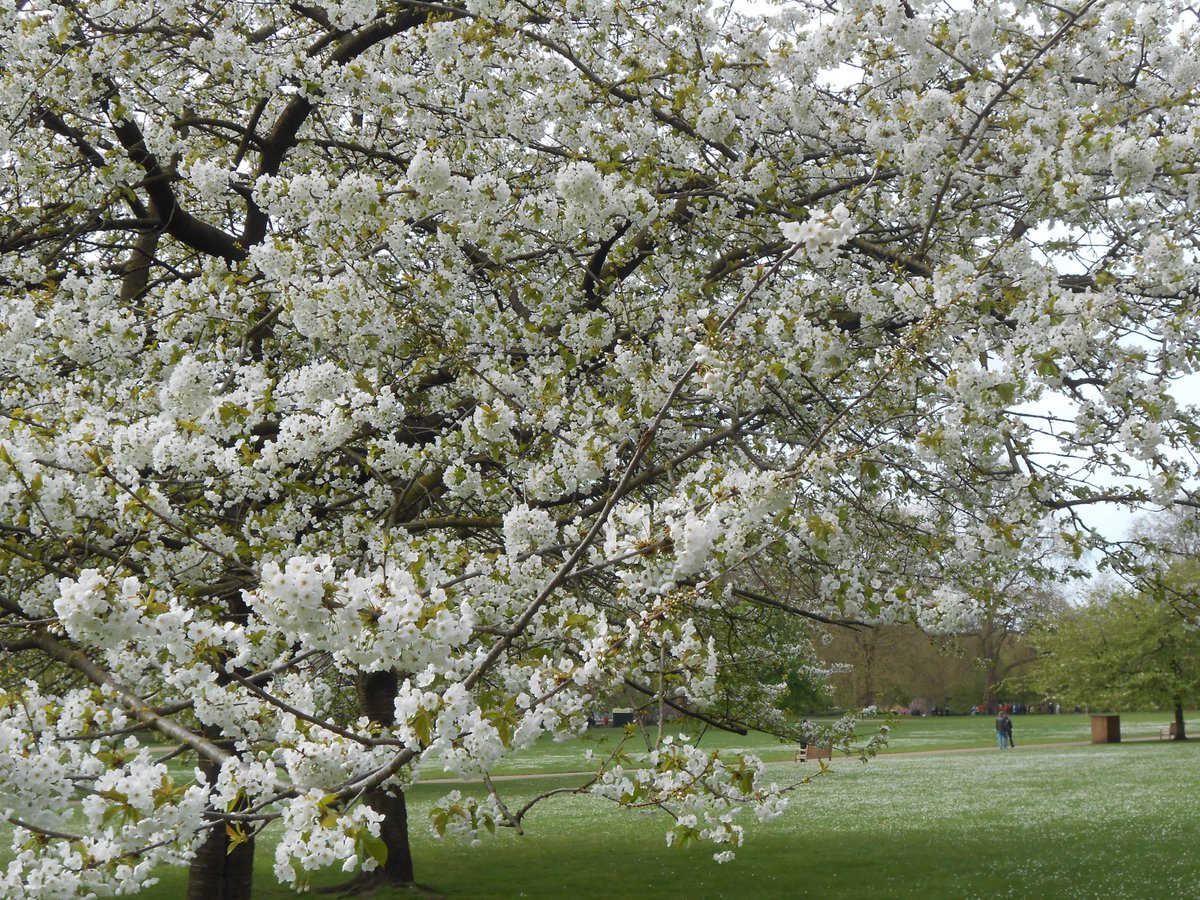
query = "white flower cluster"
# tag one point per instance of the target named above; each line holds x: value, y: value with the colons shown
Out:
x: 463, y: 817
x: 407, y: 323
x: 210, y: 178
x: 714, y: 376
x: 136, y: 816
x: 317, y: 835
x: 590, y: 198
x: 948, y: 611
x: 118, y: 615
x: 526, y: 530
x: 821, y: 236
x: 374, y: 621
x: 702, y: 793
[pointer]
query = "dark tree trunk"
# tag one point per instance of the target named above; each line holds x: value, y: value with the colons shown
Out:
x: 398, y: 869
x: 868, y: 646
x: 377, y: 696
x: 377, y: 701
x: 1180, y: 735
x: 216, y: 873
x: 990, y: 640
x: 991, y: 702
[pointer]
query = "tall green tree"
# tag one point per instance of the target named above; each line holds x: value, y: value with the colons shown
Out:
x: 1121, y: 650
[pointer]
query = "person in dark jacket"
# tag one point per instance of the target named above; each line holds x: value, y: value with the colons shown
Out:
x: 1003, y: 730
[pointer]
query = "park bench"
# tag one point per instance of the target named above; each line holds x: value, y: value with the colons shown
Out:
x: 1167, y: 731
x: 813, y: 751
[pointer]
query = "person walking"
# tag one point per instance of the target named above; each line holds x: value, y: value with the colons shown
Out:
x: 1008, y: 732
x: 1003, y: 730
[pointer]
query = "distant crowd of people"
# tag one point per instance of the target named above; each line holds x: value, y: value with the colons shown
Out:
x: 1013, y: 709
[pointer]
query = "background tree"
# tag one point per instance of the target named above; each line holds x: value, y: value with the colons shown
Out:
x: 1121, y: 650
x: 893, y: 665
x: 461, y: 352
x: 1009, y: 608
x: 1166, y: 558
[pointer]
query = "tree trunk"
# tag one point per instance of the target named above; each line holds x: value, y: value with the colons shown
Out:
x: 991, y: 701
x: 398, y: 869
x: 377, y: 701
x: 990, y: 639
x: 216, y: 873
x: 868, y: 646
x: 1179, y: 732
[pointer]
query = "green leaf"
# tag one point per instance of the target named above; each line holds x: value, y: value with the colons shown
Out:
x: 422, y: 724
x: 1007, y: 392
x: 236, y: 835
x: 113, y: 812
x: 440, y: 819
x: 327, y: 801
x: 375, y: 847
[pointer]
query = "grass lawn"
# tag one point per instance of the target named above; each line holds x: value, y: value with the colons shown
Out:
x: 908, y: 734
x: 1078, y: 821
x: 962, y: 732
x: 1109, y: 821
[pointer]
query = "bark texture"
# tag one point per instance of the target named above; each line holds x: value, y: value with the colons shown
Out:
x: 217, y: 873
x: 377, y: 700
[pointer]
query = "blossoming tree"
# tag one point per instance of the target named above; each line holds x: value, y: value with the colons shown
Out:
x: 461, y: 353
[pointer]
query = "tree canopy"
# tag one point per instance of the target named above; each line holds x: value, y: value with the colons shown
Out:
x: 385, y: 381
x: 1122, y: 650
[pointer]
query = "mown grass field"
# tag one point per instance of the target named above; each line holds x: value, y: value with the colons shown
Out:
x: 908, y: 735
x: 1076, y: 821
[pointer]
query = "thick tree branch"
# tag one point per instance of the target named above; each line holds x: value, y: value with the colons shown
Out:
x: 686, y: 710
x: 177, y: 222
x: 134, y: 704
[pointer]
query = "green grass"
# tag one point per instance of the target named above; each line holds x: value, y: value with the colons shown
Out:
x: 1046, y: 821
x: 1109, y: 821
x: 908, y: 735
x: 963, y: 732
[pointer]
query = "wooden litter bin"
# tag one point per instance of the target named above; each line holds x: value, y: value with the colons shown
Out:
x: 1106, y: 729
